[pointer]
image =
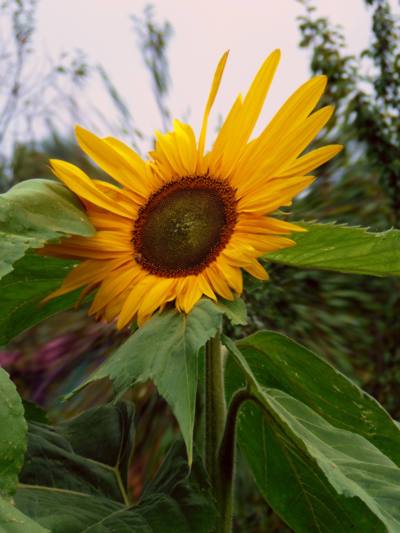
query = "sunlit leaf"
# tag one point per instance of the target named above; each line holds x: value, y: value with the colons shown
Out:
x: 278, y: 362
x: 353, y: 466
x: 315, y: 474
x: 34, y: 212
x: 343, y: 249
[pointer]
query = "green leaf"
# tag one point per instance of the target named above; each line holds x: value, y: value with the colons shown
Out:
x: 234, y: 310
x: 353, y: 466
x: 32, y: 279
x: 67, y: 481
x: 280, y: 363
x: 181, y: 511
x: 34, y: 413
x: 12, y: 435
x: 97, y: 444
x: 165, y: 350
x: 13, y: 521
x: 34, y: 212
x: 343, y: 249
x: 315, y: 474
x: 190, y: 487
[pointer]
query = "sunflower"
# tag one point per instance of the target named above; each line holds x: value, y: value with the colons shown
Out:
x: 186, y: 222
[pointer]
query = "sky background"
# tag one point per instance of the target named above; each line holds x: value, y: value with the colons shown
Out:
x: 203, y: 30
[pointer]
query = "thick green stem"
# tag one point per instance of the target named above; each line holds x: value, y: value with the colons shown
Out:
x: 226, y: 461
x: 220, y: 433
x: 215, y: 408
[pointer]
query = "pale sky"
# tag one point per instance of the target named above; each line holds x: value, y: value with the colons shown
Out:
x: 203, y: 30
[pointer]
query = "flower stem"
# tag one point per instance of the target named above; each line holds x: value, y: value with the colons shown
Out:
x: 226, y: 459
x: 220, y: 433
x: 215, y: 409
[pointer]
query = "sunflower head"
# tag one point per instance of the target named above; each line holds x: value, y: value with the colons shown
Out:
x: 185, y: 223
x: 184, y: 226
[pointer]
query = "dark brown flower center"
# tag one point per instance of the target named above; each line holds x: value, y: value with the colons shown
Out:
x: 184, y: 226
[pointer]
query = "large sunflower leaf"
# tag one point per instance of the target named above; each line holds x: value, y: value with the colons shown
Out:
x: 343, y: 249
x: 97, y: 445
x: 353, y: 466
x: 13, y: 521
x: 165, y: 350
x: 74, y: 479
x: 34, y: 212
x: 186, y: 508
x: 281, y: 363
x: 21, y: 290
x: 12, y: 435
x: 316, y: 475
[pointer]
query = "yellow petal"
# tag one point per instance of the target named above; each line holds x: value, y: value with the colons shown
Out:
x: 257, y: 270
x: 66, y: 251
x: 106, y: 240
x: 217, y: 282
x: 268, y: 167
x: 142, y: 167
x: 275, y: 194
x: 276, y: 225
x: 265, y: 243
x: 166, y: 154
x: 108, y: 221
x: 293, y: 112
x: 186, y: 145
x: 189, y: 293
x: 241, y: 127
x: 239, y: 253
x: 211, y: 98
x: 205, y: 287
x: 156, y: 296
x: 79, y: 183
x: 113, y: 309
x: 253, y: 223
x: 233, y: 275
x: 225, y: 134
x: 129, y: 171
x: 114, y: 284
x: 134, y: 300
x: 297, y: 107
x: 251, y: 109
x: 123, y: 197
x: 298, y: 140
x: 89, y: 271
x: 104, y: 245
x: 310, y: 161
